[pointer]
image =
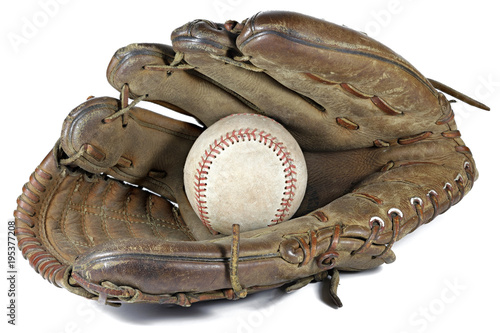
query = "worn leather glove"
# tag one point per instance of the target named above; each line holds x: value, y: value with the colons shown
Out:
x: 383, y: 153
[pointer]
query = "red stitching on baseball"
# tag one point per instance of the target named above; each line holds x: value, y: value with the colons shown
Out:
x: 233, y: 137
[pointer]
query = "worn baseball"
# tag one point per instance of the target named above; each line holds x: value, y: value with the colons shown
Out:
x: 245, y: 169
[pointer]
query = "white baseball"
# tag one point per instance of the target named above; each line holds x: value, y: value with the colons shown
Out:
x: 245, y: 169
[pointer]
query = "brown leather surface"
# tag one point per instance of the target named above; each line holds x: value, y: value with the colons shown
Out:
x: 383, y: 152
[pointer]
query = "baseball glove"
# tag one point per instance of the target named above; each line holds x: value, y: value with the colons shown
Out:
x: 105, y: 214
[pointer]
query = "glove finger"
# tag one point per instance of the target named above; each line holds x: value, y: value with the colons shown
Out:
x: 97, y: 142
x: 367, y: 91
x: 152, y: 70
x: 337, y: 54
x: 265, y: 259
x: 212, y: 50
x: 148, y: 150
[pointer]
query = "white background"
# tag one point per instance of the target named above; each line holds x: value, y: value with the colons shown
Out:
x: 444, y: 278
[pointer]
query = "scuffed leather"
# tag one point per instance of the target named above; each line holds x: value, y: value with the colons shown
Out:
x: 383, y: 152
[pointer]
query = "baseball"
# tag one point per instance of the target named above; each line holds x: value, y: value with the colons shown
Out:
x: 245, y: 169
